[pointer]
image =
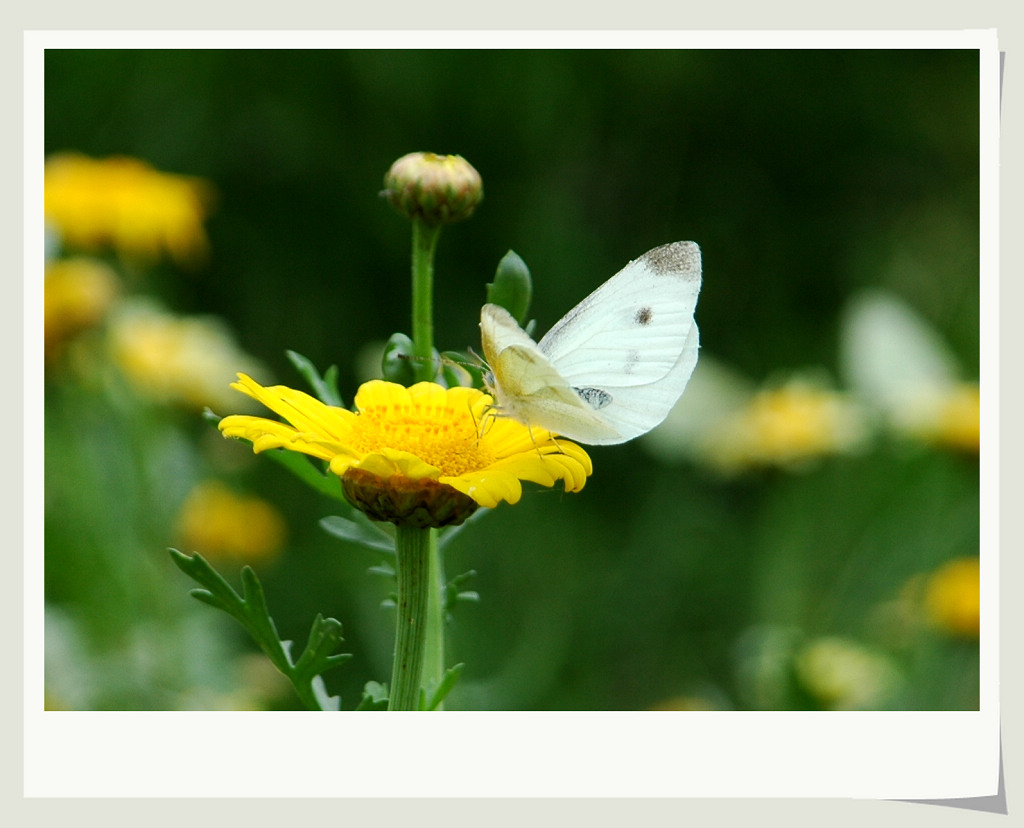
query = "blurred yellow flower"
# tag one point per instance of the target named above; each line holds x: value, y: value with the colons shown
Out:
x: 221, y: 524
x: 420, y: 456
x: 785, y: 425
x: 175, y: 359
x: 78, y: 293
x: 952, y: 597
x: 126, y: 204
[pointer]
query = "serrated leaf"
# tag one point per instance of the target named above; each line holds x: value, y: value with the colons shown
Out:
x: 251, y: 611
x: 207, y: 597
x: 325, y: 701
x: 324, y: 637
x: 375, y: 696
x: 459, y: 580
x: 453, y: 595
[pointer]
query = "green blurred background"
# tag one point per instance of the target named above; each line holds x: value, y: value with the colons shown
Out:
x: 806, y: 177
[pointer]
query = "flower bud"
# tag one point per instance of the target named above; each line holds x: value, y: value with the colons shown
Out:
x: 438, y: 189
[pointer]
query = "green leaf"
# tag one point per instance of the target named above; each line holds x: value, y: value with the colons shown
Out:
x: 299, y: 464
x: 364, y: 532
x: 512, y: 287
x: 324, y: 700
x: 452, y: 594
x: 384, y: 569
x: 325, y: 387
x: 432, y: 700
x: 375, y: 696
x: 302, y: 467
x: 397, y: 362
x: 251, y: 611
x: 319, y: 656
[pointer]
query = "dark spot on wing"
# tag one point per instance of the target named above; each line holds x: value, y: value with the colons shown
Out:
x: 674, y: 259
x: 594, y: 397
x: 644, y: 315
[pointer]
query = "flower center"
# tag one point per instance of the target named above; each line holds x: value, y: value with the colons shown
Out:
x: 438, y: 434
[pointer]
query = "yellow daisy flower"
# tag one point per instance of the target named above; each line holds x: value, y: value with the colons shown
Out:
x: 420, y: 456
x: 126, y: 204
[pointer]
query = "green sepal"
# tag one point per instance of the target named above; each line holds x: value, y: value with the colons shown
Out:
x: 326, y: 386
x: 432, y: 700
x: 360, y: 529
x: 250, y: 610
x: 451, y: 368
x: 512, y: 287
x: 459, y: 369
x: 398, y: 362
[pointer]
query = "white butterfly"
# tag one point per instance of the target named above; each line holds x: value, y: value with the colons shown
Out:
x: 612, y: 368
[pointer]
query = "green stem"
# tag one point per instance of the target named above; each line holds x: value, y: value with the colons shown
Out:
x: 433, y: 664
x: 419, y: 644
x: 424, y: 243
x: 412, y: 548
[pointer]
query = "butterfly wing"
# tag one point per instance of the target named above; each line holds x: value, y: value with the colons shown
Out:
x: 629, y: 348
x: 526, y: 385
